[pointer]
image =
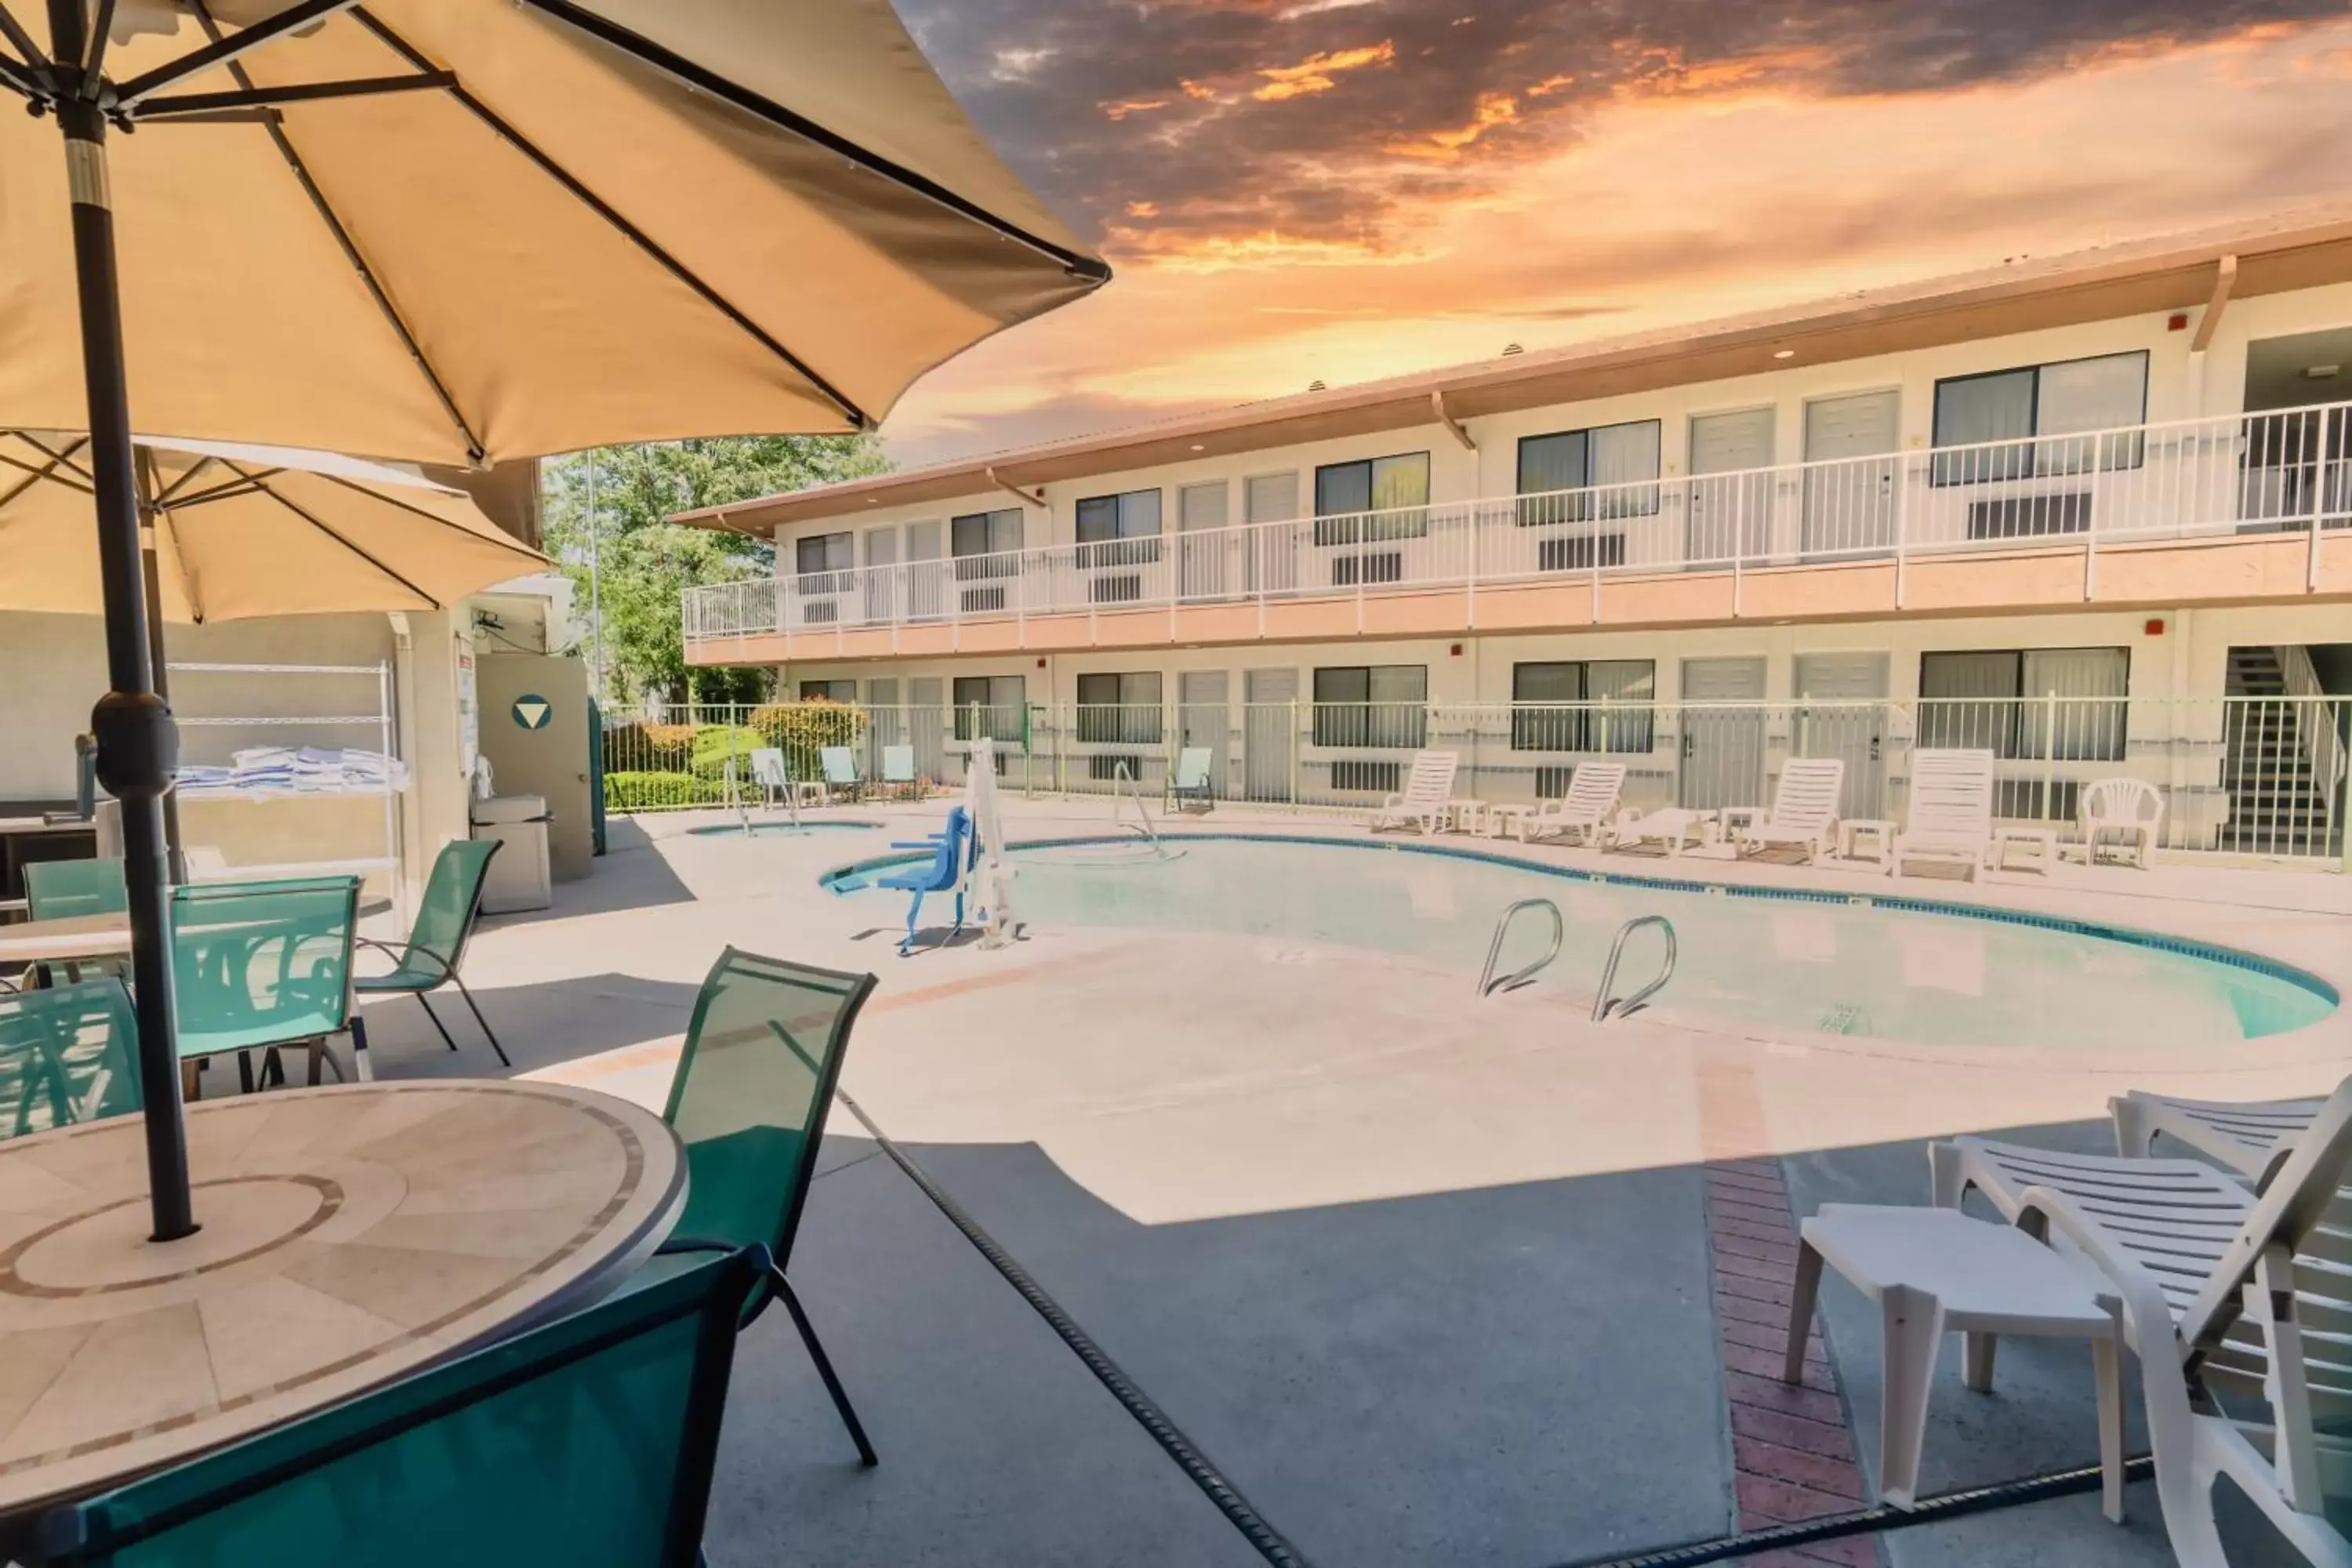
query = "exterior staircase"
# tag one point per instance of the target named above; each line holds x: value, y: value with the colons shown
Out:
x: 2276, y: 804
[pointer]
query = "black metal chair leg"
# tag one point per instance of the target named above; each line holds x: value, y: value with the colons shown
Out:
x: 825, y: 1369
x: 244, y: 1071
x: 485, y: 1023
x: 429, y: 1013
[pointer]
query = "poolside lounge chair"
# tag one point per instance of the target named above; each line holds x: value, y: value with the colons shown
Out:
x: 898, y: 769
x: 953, y: 852
x: 1583, y: 811
x: 2119, y: 816
x: 588, y: 1441
x: 1674, y: 826
x: 2227, y: 1294
x: 1427, y: 798
x: 2244, y: 1136
x: 74, y: 890
x: 768, y: 773
x: 1191, y: 781
x: 68, y: 1054
x: 840, y: 765
x: 1951, y: 810
x: 436, y: 947
x: 1804, y: 810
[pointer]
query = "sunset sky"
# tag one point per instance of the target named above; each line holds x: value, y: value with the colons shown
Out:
x: 1335, y: 190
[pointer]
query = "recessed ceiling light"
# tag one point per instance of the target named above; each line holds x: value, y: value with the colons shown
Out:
x: 1784, y: 353
x: 1198, y: 447
x: 873, y: 501
x: 2321, y: 372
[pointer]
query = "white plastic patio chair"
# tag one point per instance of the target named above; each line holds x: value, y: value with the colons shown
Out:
x: 2246, y: 1136
x: 898, y: 766
x: 2120, y: 815
x: 1674, y: 826
x: 1951, y: 818
x: 2228, y: 1295
x: 1190, y: 780
x: 1583, y: 811
x: 840, y: 765
x: 768, y: 773
x: 1427, y: 797
x: 1804, y: 810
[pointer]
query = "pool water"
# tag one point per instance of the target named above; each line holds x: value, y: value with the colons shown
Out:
x: 780, y: 829
x: 1827, y: 965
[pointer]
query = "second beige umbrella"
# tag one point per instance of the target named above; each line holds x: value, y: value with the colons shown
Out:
x: 243, y: 531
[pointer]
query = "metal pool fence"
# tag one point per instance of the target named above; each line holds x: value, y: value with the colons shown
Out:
x: 2253, y: 777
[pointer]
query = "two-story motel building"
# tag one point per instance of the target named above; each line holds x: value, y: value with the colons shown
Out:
x: 2074, y: 509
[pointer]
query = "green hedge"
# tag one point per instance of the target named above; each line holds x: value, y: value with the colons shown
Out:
x: 650, y: 791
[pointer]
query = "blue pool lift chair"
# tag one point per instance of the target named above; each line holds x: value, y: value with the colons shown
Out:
x: 953, y: 852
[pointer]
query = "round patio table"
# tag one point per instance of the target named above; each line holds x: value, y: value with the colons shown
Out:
x: 350, y: 1236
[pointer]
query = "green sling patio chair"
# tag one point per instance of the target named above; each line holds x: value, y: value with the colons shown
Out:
x: 66, y: 1055
x: 749, y: 1101
x: 436, y: 942
x: 76, y: 890
x: 68, y: 890
x: 588, y: 1442
x: 257, y: 966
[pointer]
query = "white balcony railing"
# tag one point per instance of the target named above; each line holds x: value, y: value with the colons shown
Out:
x: 2289, y: 470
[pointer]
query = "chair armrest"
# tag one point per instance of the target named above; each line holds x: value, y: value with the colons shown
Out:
x: 2044, y: 1212
x: 678, y: 1244
x: 400, y: 954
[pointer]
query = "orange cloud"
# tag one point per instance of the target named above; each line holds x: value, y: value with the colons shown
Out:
x: 1446, y: 146
x: 1143, y: 209
x: 1314, y: 73
x: 1198, y: 89
x: 1124, y: 107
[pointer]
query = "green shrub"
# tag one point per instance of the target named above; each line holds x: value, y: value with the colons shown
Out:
x: 639, y: 747
x: 653, y: 791
x: 714, y: 743
x: 804, y: 729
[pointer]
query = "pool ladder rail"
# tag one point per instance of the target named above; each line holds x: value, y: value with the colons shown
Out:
x: 1123, y: 784
x: 1604, y: 1006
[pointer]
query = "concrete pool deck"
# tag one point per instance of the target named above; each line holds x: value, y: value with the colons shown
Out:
x: 1427, y: 1283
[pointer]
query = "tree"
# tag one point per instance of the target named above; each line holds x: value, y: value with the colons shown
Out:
x: 646, y: 562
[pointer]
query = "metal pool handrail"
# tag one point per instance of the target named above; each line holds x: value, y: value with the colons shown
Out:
x: 1600, y: 1001
x: 1488, y: 984
x: 1121, y: 777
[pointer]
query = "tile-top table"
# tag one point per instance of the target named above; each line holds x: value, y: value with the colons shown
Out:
x: 350, y: 1236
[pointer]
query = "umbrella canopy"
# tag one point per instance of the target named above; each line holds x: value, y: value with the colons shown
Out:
x: 242, y: 532
x: 540, y: 226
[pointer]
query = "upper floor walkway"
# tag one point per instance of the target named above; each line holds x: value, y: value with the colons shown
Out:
x: 2229, y: 509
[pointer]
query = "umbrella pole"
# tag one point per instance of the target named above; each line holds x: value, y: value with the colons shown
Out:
x: 175, y: 856
x: 137, y: 747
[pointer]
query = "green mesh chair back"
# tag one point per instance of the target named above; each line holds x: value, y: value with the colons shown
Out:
x: 68, y: 889
x: 446, y: 914
x: 262, y: 963
x: 588, y: 1442
x: 753, y: 1087
x: 68, y: 1054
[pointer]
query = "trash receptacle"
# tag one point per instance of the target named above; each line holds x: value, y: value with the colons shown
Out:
x: 518, y: 878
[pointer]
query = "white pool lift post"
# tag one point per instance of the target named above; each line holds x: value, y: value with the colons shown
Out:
x: 990, y: 877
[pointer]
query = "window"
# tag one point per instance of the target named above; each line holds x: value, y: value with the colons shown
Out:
x: 1395, y: 490
x: 1121, y: 530
x: 1610, y: 471
x: 989, y: 533
x: 2057, y: 405
x: 995, y: 706
x: 1376, y: 705
x: 821, y: 552
x: 1119, y: 709
x: 2000, y: 701
x: 1573, y: 707
x: 828, y: 691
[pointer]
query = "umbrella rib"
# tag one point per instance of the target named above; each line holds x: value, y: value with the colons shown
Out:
x: 33, y: 476
x: 776, y: 114
x: 33, y: 57
x: 474, y: 448
x: 298, y: 510
x: 226, y: 51
x: 645, y: 242
x: 62, y: 458
x: 377, y: 495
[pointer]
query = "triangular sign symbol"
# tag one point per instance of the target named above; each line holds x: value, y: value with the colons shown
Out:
x: 532, y: 714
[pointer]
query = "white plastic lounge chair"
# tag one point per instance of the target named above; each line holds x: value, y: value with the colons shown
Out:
x: 840, y: 765
x: 899, y: 767
x: 1951, y: 810
x: 1190, y: 780
x: 2120, y: 817
x: 1427, y: 797
x: 1804, y: 810
x: 768, y: 773
x: 1671, y: 826
x: 2244, y: 1136
x: 1583, y: 811
x: 2236, y: 1303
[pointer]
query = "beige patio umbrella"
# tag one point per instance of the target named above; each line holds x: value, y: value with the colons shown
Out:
x: 459, y: 230
x: 242, y: 532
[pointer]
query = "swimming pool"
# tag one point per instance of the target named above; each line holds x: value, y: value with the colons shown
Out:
x: 1893, y: 966
x: 780, y: 829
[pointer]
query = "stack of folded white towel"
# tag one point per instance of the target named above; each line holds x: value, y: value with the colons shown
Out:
x: 319, y: 770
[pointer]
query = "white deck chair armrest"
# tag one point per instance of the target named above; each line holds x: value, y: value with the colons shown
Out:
x: 2043, y: 1211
